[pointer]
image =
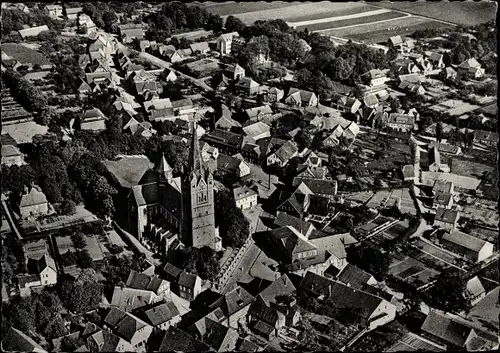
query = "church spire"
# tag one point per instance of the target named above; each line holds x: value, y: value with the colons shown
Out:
x: 164, y: 170
x: 195, y: 160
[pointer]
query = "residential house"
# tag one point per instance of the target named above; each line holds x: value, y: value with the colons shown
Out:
x: 274, y: 95
x: 372, y: 310
x: 247, y: 86
x: 97, y: 71
x: 155, y: 284
x: 185, y: 284
x: 319, y: 187
x: 106, y: 44
x: 435, y: 164
x: 472, y: 248
x: 17, y: 341
x: 170, y: 53
x: 130, y: 328
x: 85, y: 22
x: 129, y: 299
x: 11, y: 155
x: 161, y: 315
x: 91, y: 119
x: 33, y: 202
x: 486, y: 137
x: 245, y: 197
x: 227, y: 142
x: 257, y: 130
x: 475, y: 290
x: 18, y: 6
x: 371, y: 101
x: 297, y: 97
x: 446, y: 148
x: 200, y: 48
x: 283, y: 154
x: 146, y: 44
x: 33, y: 31
x: 234, y: 305
x: 235, y: 72
x: 449, y: 73
x: 227, y: 123
x: 437, y: 60
x: 143, y: 129
x: 454, y: 333
x: 446, y: 218
x: 401, y: 122
x: 128, y: 35
x: 348, y: 105
x: 176, y: 340
x: 442, y: 199
x: 408, y: 172
x: 233, y: 166
x: 374, y: 78
x: 471, y: 67
x: 53, y: 11
x: 72, y: 13
x: 356, y: 278
x: 183, y: 107
x: 103, y: 340
x: 225, y: 43
x: 43, y: 272
x: 403, y: 45
x: 416, y: 88
x: 169, y: 76
x: 214, y: 334
x: 261, y: 113
x: 284, y: 219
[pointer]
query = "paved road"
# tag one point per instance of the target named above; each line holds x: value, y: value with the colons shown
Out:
x: 137, y: 245
x: 246, y: 264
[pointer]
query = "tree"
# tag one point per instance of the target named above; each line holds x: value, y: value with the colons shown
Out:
x: 78, y: 240
x: 370, y: 259
x: 449, y: 293
x: 234, y: 24
x: 215, y: 23
x: 439, y: 131
x: 55, y: 328
x: 83, y: 259
x: 79, y: 298
x: 203, y: 262
x: 68, y: 207
x: 108, y: 19
x: 233, y: 226
x: 71, y: 343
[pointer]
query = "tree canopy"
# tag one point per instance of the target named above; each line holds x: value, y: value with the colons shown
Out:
x: 449, y: 292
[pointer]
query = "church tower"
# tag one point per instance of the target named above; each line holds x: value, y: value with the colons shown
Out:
x: 198, y: 201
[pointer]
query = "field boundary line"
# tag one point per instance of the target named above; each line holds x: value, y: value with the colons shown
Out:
x: 363, y: 24
x: 339, y: 18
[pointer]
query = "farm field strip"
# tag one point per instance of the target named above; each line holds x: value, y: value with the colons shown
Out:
x: 234, y: 8
x: 359, y: 21
x: 355, y: 16
x: 335, y: 13
x: 377, y: 32
x: 464, y: 13
x: 293, y: 10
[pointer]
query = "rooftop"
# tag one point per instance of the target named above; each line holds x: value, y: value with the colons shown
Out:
x: 128, y: 170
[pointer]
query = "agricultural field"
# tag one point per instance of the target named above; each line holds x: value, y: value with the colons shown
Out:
x: 232, y: 8
x: 346, y: 11
x: 461, y: 12
x: 379, y: 32
x: 352, y: 21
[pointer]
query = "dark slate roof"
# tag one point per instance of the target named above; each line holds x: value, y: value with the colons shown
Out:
x: 446, y: 328
x: 354, y: 277
x: 220, y: 136
x: 281, y: 286
x: 128, y: 326
x: 158, y: 314
x: 114, y: 316
x: 177, y: 340
x: 234, y: 301
x: 318, y: 186
x: 172, y: 270
x: 283, y: 219
x: 212, y: 332
x: 445, y: 215
x: 187, y: 280
x: 17, y: 341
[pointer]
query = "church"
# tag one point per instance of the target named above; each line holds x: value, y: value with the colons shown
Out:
x: 167, y: 211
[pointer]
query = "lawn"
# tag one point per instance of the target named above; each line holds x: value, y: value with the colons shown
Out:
x: 351, y: 21
x: 380, y: 32
x: 464, y: 13
x: 467, y: 167
x: 334, y: 13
